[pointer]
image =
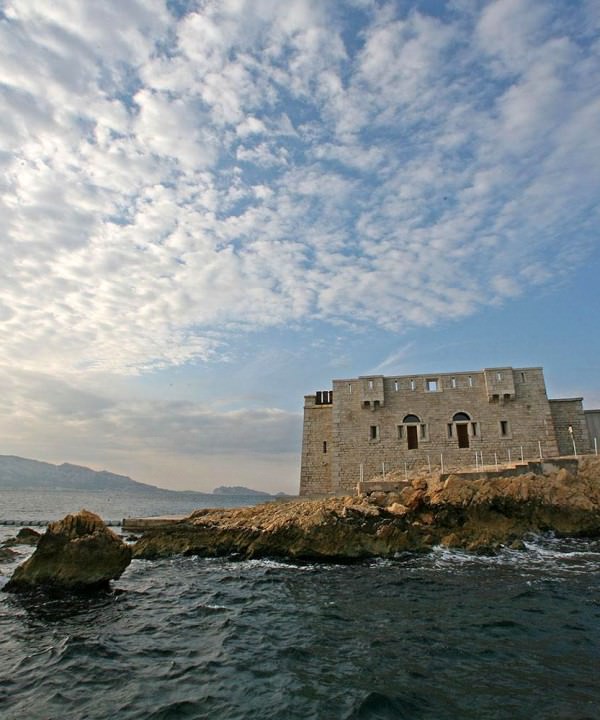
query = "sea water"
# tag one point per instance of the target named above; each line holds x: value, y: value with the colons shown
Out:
x: 436, y: 636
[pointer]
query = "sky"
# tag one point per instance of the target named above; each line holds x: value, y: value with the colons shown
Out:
x: 210, y: 209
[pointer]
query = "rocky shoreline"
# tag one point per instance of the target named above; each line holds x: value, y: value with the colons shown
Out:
x: 477, y: 514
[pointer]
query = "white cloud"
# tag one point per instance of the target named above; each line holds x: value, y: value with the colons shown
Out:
x: 171, y: 181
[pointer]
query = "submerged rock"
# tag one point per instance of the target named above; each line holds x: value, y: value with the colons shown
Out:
x: 477, y: 514
x: 7, y: 555
x: 76, y: 553
x: 25, y: 536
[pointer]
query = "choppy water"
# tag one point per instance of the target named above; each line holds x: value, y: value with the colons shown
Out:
x: 445, y: 635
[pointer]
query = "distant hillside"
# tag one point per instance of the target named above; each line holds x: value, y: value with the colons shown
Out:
x: 238, y: 490
x: 21, y: 473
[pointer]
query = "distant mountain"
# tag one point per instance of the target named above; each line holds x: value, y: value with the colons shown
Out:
x: 238, y: 490
x: 21, y: 473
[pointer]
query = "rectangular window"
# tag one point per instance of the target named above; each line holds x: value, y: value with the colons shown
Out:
x: 376, y: 403
x: 474, y: 430
x: 504, y: 428
x: 370, y: 384
x: 522, y: 377
x: 449, y: 430
x: 470, y: 381
x: 498, y: 376
x: 396, y: 385
x: 413, y: 385
x: 431, y: 385
x: 423, y: 432
x: 400, y: 432
x: 324, y: 446
x: 453, y: 382
x: 350, y: 388
x: 374, y: 432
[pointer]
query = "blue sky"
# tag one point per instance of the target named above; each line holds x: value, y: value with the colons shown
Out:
x: 210, y: 209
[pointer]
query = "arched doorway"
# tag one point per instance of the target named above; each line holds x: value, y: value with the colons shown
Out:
x: 411, y: 424
x: 461, y: 423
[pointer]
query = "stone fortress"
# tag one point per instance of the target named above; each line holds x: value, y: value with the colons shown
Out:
x: 374, y: 424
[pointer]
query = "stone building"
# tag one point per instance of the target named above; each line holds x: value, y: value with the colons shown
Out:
x: 368, y: 424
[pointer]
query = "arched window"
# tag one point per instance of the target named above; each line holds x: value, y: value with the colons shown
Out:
x: 460, y: 417
x: 411, y: 419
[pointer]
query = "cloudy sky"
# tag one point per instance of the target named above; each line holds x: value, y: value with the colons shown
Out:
x: 209, y: 209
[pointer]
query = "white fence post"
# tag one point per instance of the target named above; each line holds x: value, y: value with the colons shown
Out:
x: 540, y: 449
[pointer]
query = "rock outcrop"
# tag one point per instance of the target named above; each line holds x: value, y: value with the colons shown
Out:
x: 477, y: 514
x: 76, y: 553
x: 25, y: 536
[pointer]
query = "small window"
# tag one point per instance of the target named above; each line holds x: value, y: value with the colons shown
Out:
x: 474, y: 430
x: 374, y: 432
x: 413, y: 385
x: 470, y: 381
x: 495, y: 397
x: 498, y: 376
x: 504, y: 428
x: 366, y: 403
x: 376, y: 403
x: 423, y: 432
x: 396, y: 385
x: 522, y: 377
x: 350, y: 388
x: 400, y: 432
x: 449, y: 430
x: 453, y: 382
x: 431, y: 385
x: 370, y: 384
x: 324, y: 446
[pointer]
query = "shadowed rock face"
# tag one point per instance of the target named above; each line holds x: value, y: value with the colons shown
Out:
x: 76, y: 553
x: 479, y: 515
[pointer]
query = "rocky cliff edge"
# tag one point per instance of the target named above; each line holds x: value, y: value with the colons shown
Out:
x: 476, y: 514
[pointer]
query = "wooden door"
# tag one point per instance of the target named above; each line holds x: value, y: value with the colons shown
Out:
x: 462, y: 432
x: 412, y: 437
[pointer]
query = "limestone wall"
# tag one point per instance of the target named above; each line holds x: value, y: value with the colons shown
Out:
x: 315, y: 473
x: 516, y: 416
x: 592, y: 419
x: 568, y: 413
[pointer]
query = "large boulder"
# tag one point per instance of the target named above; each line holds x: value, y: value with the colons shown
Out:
x: 76, y: 553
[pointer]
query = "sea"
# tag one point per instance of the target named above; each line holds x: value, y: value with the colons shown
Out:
x: 444, y: 635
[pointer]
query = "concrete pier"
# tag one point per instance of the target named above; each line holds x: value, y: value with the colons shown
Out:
x: 151, y: 523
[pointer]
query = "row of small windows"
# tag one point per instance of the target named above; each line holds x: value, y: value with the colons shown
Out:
x: 434, y: 384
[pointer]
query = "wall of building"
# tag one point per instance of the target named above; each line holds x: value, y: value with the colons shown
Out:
x: 592, y: 421
x: 568, y: 413
x: 516, y: 398
x: 315, y: 473
x: 509, y: 414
